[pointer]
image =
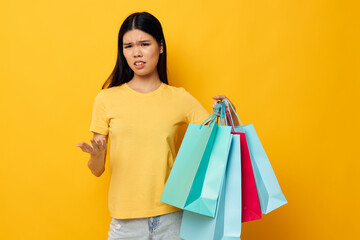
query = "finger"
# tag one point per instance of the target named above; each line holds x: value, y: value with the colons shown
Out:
x: 95, y: 145
x: 84, y: 148
x: 89, y: 148
x: 219, y: 97
x: 216, y: 97
x: 104, y: 144
x: 214, y: 104
x: 100, y: 143
x: 80, y: 145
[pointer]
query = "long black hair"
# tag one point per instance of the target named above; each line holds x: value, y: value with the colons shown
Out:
x: 146, y: 22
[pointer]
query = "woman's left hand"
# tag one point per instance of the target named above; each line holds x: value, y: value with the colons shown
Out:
x: 220, y: 98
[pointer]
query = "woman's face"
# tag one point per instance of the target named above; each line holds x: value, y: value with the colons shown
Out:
x: 141, y: 52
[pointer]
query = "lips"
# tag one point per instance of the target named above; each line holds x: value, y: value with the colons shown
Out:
x: 139, y: 63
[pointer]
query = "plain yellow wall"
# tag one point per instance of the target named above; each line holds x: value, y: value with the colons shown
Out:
x: 291, y: 68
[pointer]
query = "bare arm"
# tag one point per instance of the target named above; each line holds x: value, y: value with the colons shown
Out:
x: 97, y: 151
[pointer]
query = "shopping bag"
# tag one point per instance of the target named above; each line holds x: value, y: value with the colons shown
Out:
x: 195, y: 179
x: 268, y: 188
x: 250, y: 200
x: 269, y: 191
x: 227, y: 223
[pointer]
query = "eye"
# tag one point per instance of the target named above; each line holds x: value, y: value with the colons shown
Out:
x: 127, y: 46
x: 145, y: 44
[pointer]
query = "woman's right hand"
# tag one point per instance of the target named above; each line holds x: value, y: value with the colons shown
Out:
x: 97, y: 146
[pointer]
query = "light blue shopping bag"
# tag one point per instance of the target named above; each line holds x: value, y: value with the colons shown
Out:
x: 195, y: 179
x: 227, y: 223
x: 269, y: 191
x: 268, y: 188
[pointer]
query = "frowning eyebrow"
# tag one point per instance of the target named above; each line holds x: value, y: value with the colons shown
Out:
x: 143, y: 41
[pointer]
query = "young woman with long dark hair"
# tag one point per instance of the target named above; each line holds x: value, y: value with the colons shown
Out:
x: 140, y: 114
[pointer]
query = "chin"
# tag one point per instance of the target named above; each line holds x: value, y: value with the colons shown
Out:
x: 142, y: 74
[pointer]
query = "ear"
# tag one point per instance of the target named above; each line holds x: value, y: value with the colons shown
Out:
x: 161, y: 47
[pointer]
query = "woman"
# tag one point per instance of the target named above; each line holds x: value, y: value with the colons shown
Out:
x: 140, y: 114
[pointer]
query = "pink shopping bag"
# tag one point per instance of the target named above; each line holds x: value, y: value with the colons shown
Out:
x: 250, y: 200
x: 249, y: 197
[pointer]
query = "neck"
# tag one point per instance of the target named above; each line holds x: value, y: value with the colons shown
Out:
x: 146, y: 83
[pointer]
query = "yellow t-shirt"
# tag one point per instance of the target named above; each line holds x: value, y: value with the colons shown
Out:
x: 142, y: 129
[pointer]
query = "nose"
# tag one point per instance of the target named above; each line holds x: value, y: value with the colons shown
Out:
x: 137, y: 52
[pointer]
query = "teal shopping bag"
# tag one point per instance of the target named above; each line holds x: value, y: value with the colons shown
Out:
x: 270, y: 195
x: 195, y: 179
x: 227, y: 223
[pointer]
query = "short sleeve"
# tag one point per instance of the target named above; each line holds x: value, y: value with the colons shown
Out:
x: 194, y: 111
x: 99, y: 122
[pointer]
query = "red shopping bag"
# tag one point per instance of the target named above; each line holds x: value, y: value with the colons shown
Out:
x: 250, y: 199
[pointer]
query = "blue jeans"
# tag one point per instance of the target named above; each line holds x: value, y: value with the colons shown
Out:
x: 163, y: 227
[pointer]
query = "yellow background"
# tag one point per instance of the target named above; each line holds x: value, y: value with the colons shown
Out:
x: 291, y: 68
